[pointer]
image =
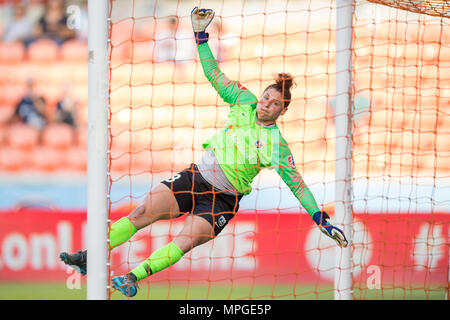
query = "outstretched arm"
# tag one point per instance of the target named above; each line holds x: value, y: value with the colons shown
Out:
x: 231, y: 92
x: 283, y: 163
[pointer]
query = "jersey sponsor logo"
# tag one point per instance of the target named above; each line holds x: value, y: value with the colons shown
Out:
x: 290, y: 161
x: 259, y: 144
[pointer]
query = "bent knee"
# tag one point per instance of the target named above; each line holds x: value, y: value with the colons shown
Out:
x: 188, y: 242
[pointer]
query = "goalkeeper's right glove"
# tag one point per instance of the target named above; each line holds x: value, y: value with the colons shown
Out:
x: 322, y: 220
x: 201, y: 18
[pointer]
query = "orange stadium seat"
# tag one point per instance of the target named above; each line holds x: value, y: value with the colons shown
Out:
x: 10, y: 94
x: 47, y: 159
x: 74, y: 50
x: 43, y: 51
x: 76, y: 159
x: 19, y: 74
x: 144, y: 30
x: 80, y: 92
x: 11, y: 74
x: 141, y: 161
x: 120, y: 142
x: 12, y: 52
x: 161, y: 161
x: 142, y: 51
x: 58, y: 136
x: 120, y: 163
x: 12, y: 159
x: 22, y: 136
x: 51, y: 93
x: 2, y: 135
x: 82, y: 137
x: 79, y: 73
x: 121, y: 31
x: 51, y: 74
x: 6, y: 112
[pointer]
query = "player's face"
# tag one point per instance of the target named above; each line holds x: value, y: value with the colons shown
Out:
x: 270, y: 106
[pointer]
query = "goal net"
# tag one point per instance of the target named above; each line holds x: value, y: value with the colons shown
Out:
x: 162, y: 108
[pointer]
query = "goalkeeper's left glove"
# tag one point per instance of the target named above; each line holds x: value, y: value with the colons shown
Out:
x: 322, y: 220
x: 201, y: 18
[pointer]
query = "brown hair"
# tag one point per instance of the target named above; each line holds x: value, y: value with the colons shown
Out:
x: 283, y: 84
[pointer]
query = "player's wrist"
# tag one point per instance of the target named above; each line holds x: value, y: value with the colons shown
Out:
x: 321, y: 218
x: 201, y: 37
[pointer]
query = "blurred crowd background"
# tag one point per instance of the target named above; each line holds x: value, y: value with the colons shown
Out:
x: 162, y: 107
x: 43, y: 55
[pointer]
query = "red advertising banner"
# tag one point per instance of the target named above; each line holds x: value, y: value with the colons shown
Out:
x: 257, y: 247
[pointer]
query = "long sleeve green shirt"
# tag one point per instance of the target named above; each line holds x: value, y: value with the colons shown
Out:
x: 243, y: 147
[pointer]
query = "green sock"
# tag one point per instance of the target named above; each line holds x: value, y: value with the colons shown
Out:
x: 121, y: 231
x: 159, y: 260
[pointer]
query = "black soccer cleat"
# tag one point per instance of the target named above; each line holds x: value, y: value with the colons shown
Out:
x: 77, y: 261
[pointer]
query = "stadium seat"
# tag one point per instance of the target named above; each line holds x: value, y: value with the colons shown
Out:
x: 58, y: 136
x: 13, y: 160
x: 82, y: 137
x: 43, y: 51
x: 19, y: 74
x: 183, y: 116
x: 121, y: 31
x: 120, y: 142
x: 47, y: 160
x: 160, y: 72
x: 54, y: 74
x: 74, y: 50
x: 79, y: 73
x: 144, y: 30
x: 10, y: 94
x: 76, y: 159
x: 161, y: 161
x: 443, y: 142
x: 51, y: 92
x: 184, y: 94
x: 22, y: 136
x: 81, y: 93
x: 12, y: 52
x: 6, y: 112
x: 141, y: 162
x: 142, y: 51
x: 120, y: 163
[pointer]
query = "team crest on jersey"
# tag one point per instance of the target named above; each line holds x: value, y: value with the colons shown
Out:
x: 221, y: 222
x: 290, y: 161
x: 259, y: 144
x: 227, y: 129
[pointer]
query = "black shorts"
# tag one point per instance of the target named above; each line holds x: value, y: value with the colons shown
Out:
x: 197, y: 196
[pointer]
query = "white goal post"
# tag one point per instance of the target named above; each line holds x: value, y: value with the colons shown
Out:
x: 98, y: 102
x: 343, y: 171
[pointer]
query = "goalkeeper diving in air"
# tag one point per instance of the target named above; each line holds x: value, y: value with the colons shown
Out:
x: 211, y: 189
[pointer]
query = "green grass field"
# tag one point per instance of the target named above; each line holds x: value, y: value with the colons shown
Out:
x: 59, y: 291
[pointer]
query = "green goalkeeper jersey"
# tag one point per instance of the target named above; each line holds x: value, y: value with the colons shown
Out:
x: 244, y: 147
